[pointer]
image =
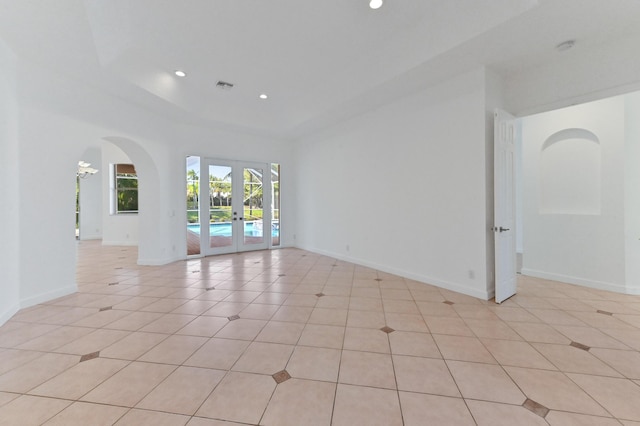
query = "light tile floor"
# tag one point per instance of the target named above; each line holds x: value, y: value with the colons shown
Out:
x: 288, y: 337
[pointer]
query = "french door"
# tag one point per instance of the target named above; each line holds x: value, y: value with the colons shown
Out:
x: 235, y: 207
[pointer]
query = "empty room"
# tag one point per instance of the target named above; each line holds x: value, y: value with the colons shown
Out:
x: 365, y: 212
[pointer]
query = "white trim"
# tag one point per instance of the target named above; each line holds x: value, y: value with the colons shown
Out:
x: 598, y: 285
x: 48, y: 296
x: 119, y: 243
x: 484, y: 295
x: 159, y: 262
x: 6, y: 315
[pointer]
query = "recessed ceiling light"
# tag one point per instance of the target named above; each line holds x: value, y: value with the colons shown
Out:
x: 375, y: 4
x: 263, y: 96
x: 180, y: 73
x: 565, y: 45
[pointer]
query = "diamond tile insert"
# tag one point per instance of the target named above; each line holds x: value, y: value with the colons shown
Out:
x: 210, y: 288
x: 320, y: 294
x: 281, y: 376
x: 378, y: 279
x: 233, y: 318
x: 106, y: 308
x: 447, y: 302
x: 535, y: 408
x: 282, y: 275
x: 387, y: 329
x: 604, y: 312
x: 579, y: 346
x: 194, y: 272
x: 90, y: 356
x: 113, y: 283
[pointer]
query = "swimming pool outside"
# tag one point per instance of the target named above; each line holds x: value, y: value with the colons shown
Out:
x: 223, y: 229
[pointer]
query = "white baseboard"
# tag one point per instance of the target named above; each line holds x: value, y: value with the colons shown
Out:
x: 635, y: 290
x: 484, y: 295
x: 598, y: 285
x: 6, y: 315
x: 159, y: 262
x: 90, y: 237
x: 119, y: 243
x: 50, y: 295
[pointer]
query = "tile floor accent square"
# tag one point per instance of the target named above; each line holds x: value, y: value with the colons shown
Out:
x: 281, y: 376
x: 536, y: 408
x: 579, y: 346
x: 90, y: 356
x: 233, y: 318
x: 387, y: 329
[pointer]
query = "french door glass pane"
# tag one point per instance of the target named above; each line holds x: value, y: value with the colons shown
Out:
x: 193, y: 205
x: 275, y: 204
x: 220, y: 200
x: 253, y: 204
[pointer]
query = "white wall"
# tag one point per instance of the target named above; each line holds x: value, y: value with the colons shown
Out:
x: 632, y: 192
x: 564, y: 239
x: 47, y: 204
x: 403, y: 188
x: 118, y: 229
x: 60, y: 121
x: 10, y: 187
x: 90, y: 227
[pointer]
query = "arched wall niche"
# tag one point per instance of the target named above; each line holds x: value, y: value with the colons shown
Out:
x: 571, y: 173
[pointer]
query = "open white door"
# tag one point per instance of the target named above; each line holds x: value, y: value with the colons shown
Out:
x: 504, y: 205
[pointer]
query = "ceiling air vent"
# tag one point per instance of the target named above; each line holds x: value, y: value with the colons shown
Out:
x: 224, y: 85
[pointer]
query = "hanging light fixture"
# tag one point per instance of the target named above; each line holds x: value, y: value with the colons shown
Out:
x: 375, y: 4
x: 85, y: 169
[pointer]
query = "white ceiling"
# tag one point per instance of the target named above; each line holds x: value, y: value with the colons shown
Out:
x: 319, y: 61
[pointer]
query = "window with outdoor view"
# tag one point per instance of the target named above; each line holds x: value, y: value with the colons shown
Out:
x: 125, y: 186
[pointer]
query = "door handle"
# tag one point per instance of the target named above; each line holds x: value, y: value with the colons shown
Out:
x: 501, y: 229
